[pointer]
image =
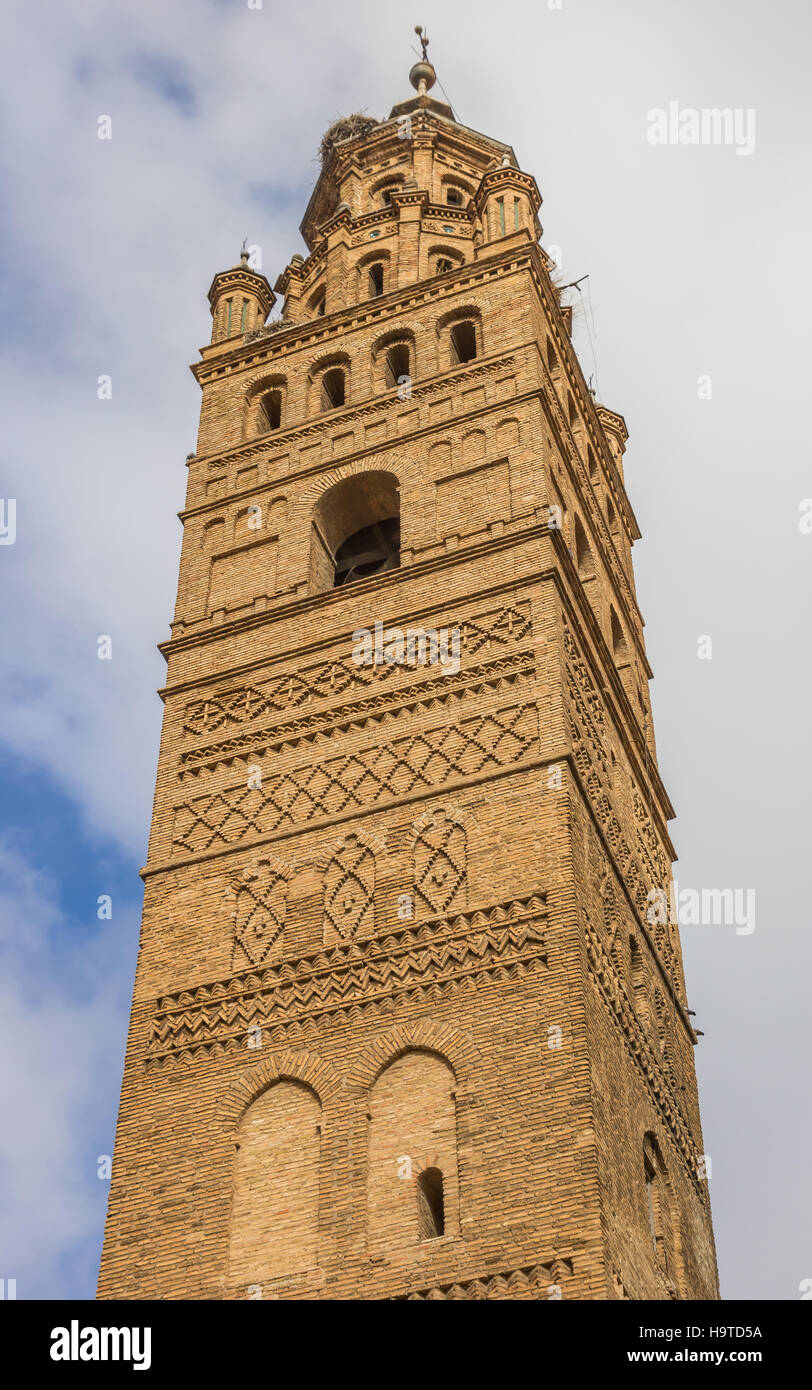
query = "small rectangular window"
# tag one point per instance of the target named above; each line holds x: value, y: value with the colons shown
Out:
x: 375, y: 280
x: 272, y: 409
x: 332, y: 389
x: 463, y: 343
x: 397, y: 365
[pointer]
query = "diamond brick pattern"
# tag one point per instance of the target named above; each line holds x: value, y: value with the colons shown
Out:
x: 496, y: 739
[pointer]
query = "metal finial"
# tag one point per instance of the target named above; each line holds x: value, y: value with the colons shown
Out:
x: 422, y: 75
x: 244, y: 251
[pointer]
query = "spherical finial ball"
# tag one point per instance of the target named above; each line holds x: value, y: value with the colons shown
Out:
x: 422, y: 74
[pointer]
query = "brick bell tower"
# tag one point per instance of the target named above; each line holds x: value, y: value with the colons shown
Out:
x: 402, y: 1027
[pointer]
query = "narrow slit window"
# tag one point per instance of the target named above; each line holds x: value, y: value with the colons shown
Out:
x: 375, y: 280
x: 229, y: 302
x: 430, y: 1205
x: 638, y: 976
x: 244, y: 318
x: 516, y: 214
x: 397, y: 364
x: 500, y: 203
x: 651, y: 1178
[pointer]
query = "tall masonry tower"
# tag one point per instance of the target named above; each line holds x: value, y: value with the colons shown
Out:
x: 405, y: 1024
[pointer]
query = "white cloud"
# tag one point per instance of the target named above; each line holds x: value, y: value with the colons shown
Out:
x: 62, y: 1032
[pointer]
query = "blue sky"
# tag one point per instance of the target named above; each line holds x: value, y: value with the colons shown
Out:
x: 698, y: 263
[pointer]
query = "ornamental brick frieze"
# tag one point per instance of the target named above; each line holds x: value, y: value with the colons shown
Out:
x: 644, y: 869
x: 433, y: 959
x: 612, y: 990
x: 530, y: 1281
x: 260, y: 903
x: 497, y: 739
x: 434, y: 692
x: 328, y: 679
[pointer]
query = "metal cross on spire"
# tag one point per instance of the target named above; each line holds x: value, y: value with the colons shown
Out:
x: 424, y: 40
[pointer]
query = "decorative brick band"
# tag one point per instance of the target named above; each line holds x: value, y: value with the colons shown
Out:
x: 613, y: 993
x: 362, y: 779
x: 529, y: 1281
x: 434, y: 958
x: 489, y: 676
x: 327, y: 679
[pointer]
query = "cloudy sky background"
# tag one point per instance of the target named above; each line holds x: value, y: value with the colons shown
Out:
x: 698, y: 262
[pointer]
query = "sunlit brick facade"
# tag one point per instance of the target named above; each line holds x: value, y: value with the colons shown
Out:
x: 401, y: 1026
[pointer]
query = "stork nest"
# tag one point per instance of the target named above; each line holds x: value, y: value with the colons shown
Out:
x: 347, y: 128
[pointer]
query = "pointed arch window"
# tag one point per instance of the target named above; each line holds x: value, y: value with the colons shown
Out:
x: 412, y: 1175
x: 638, y: 978
x: 318, y: 301
x: 275, y: 1203
x: 620, y: 648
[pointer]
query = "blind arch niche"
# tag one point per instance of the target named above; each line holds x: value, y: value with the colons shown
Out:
x: 275, y: 1199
